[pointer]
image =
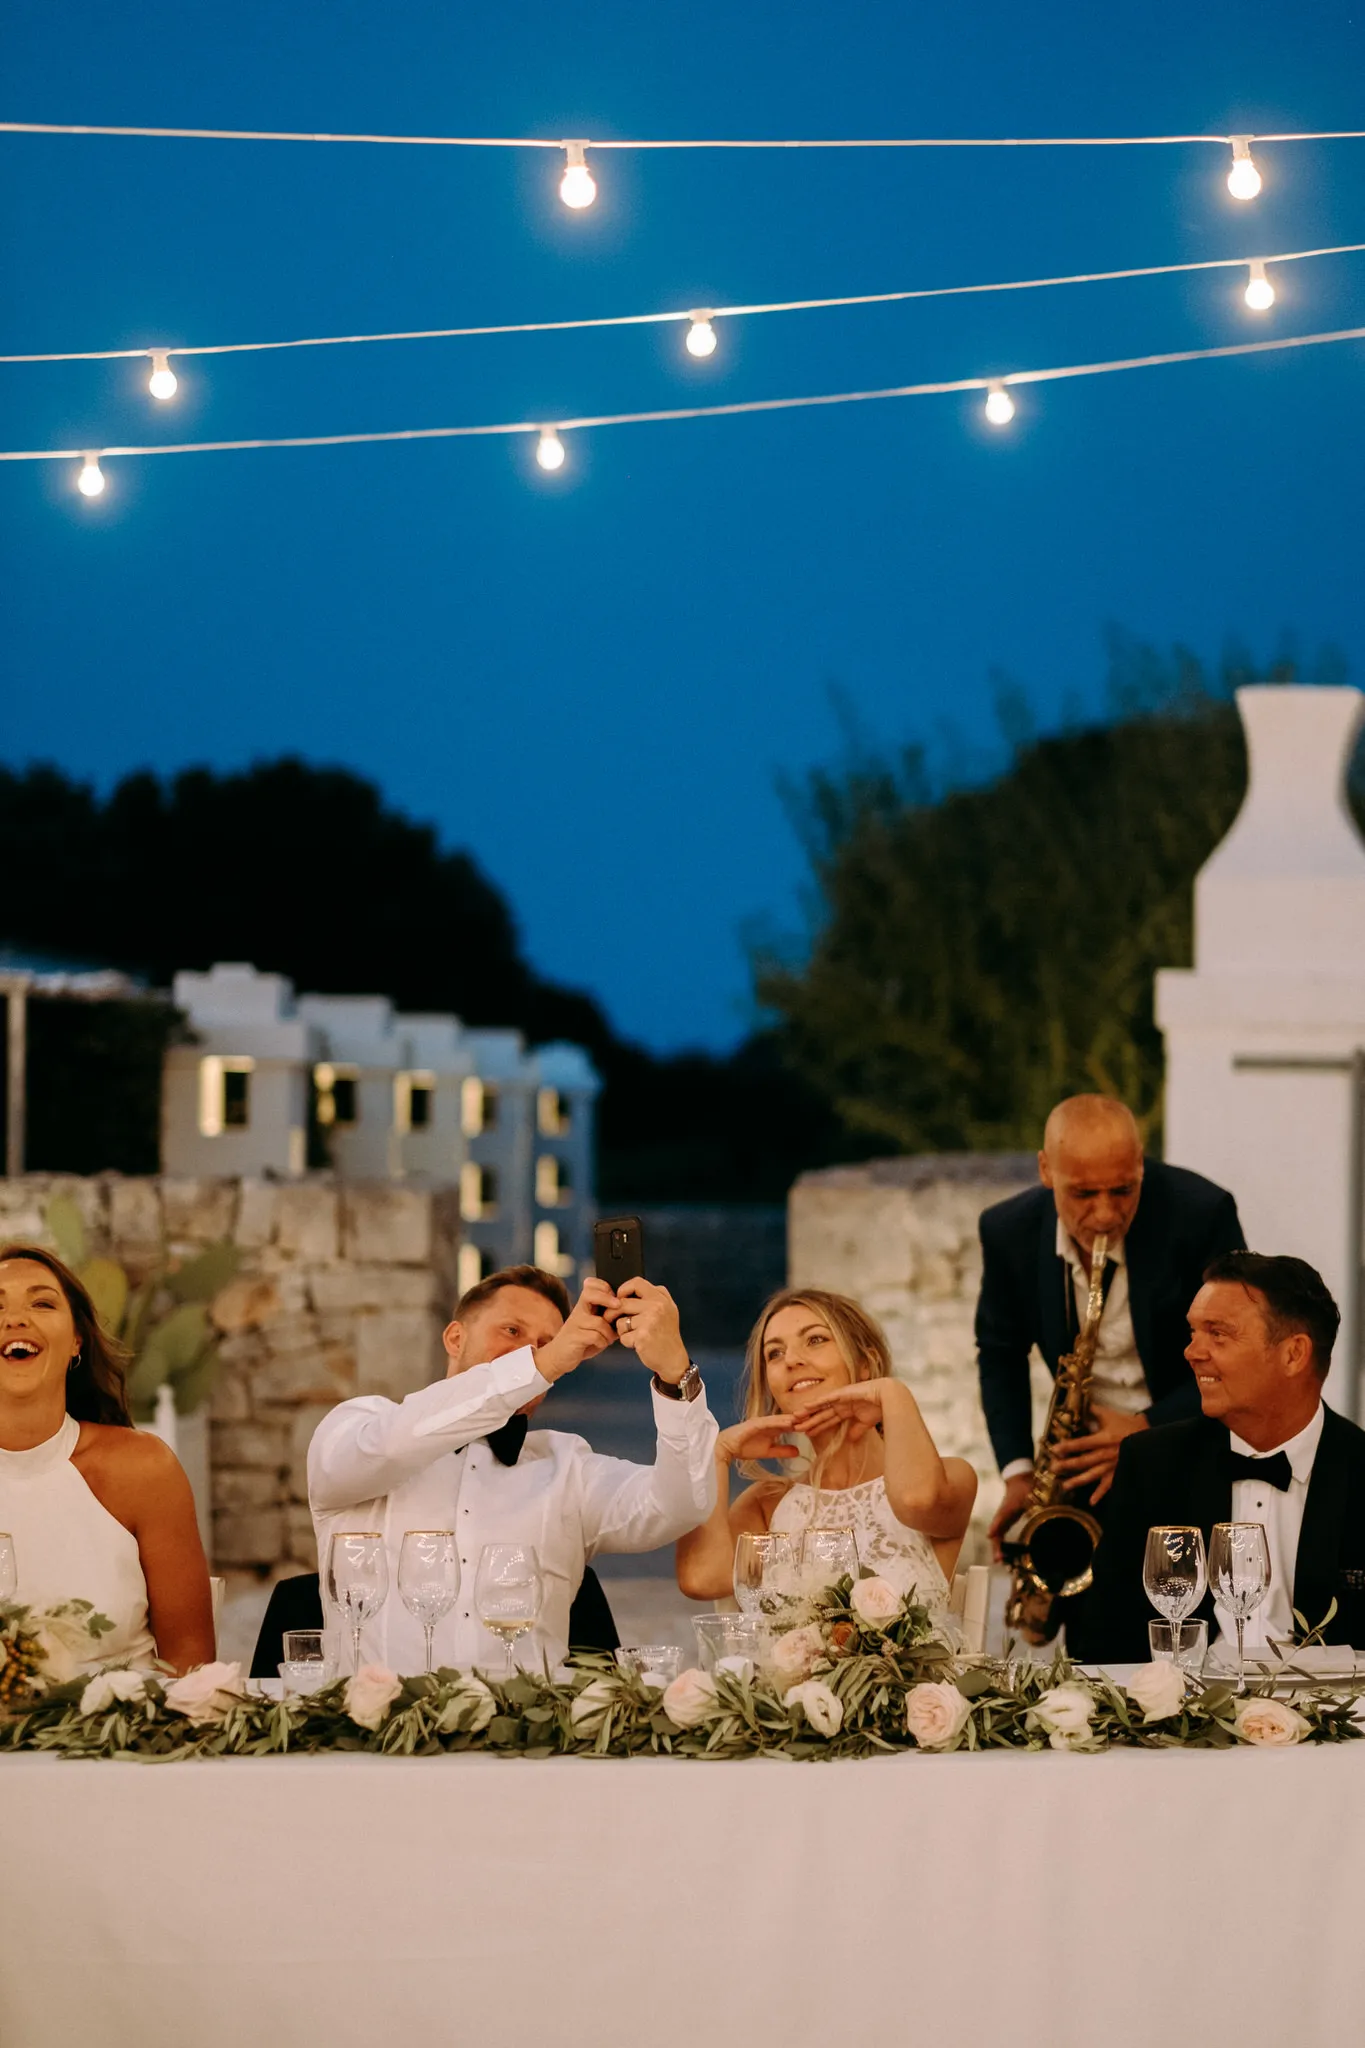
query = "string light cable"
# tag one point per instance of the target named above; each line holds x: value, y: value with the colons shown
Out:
x: 550, y: 448
x: 701, y: 335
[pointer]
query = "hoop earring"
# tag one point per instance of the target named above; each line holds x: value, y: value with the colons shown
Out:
x: 73, y: 1362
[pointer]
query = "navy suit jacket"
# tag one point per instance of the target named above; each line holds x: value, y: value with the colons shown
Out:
x: 1182, y: 1222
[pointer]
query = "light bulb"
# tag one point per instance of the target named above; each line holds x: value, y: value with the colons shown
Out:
x: 550, y: 449
x: 163, y: 382
x: 577, y: 187
x: 999, y: 406
x: 90, y: 482
x: 1260, y: 292
x: 701, y: 335
x: 1244, y: 180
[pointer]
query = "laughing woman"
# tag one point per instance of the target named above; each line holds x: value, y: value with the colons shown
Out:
x: 98, y: 1511
x: 819, y: 1366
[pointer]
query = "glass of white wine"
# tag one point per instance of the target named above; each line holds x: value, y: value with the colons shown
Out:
x: 357, y: 1580
x: 1175, y: 1575
x: 828, y: 1555
x: 508, y: 1593
x: 1239, y: 1572
x: 428, y: 1578
x: 765, y: 1570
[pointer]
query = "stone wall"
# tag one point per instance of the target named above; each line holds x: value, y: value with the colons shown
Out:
x: 344, y: 1289
x: 901, y: 1236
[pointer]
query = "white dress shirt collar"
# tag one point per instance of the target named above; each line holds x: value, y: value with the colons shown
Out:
x: 1300, y: 1450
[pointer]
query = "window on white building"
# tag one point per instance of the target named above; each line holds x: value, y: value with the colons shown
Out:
x: 478, y: 1106
x: 552, y: 1182
x: 478, y: 1192
x: 473, y: 1262
x: 338, y: 1095
x: 546, y: 1253
x: 224, y: 1094
x: 554, y: 1113
x: 414, y: 1096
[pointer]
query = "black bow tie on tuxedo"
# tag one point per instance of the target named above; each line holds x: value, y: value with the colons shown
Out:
x: 1275, y: 1470
x: 506, y: 1440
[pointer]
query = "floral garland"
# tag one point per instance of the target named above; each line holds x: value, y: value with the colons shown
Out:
x: 857, y: 1672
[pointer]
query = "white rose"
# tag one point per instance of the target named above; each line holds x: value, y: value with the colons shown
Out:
x: 875, y: 1602
x: 108, y: 1686
x: 795, y: 1654
x: 206, y: 1694
x: 935, y: 1715
x: 821, y: 1707
x: 1066, y: 1712
x: 371, y: 1693
x: 1273, y: 1723
x: 591, y: 1706
x: 691, y: 1699
x: 1158, y: 1688
x: 468, y: 1710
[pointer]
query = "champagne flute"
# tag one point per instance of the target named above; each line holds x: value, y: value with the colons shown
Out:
x: 357, y: 1579
x: 428, y: 1578
x: 1175, y: 1574
x: 507, y: 1593
x: 764, y: 1564
x: 9, y: 1567
x: 1239, y: 1570
x: 828, y: 1555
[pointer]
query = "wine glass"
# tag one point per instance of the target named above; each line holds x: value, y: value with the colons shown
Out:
x: 828, y: 1555
x: 428, y: 1578
x: 357, y: 1579
x: 507, y: 1593
x: 765, y: 1570
x: 9, y: 1567
x: 1239, y: 1571
x: 1175, y: 1574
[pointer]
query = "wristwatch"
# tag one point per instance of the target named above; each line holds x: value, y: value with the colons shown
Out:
x: 687, y: 1388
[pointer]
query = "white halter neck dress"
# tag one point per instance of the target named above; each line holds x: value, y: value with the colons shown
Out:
x: 901, y: 1555
x: 68, y: 1547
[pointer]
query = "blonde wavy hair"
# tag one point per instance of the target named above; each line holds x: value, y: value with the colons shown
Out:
x: 861, y: 1343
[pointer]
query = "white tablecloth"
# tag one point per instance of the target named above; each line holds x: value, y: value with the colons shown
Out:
x: 343, y: 1902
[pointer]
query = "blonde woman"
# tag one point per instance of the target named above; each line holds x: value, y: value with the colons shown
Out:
x: 818, y: 1365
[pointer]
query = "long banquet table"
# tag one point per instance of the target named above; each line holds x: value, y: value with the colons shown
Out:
x: 345, y: 1901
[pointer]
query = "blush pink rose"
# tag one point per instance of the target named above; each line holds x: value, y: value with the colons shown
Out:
x: 875, y: 1602
x: 691, y: 1699
x: 371, y: 1693
x: 795, y: 1655
x: 206, y: 1694
x: 1270, y: 1723
x: 936, y: 1714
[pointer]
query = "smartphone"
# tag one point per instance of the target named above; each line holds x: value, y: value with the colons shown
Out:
x: 618, y: 1249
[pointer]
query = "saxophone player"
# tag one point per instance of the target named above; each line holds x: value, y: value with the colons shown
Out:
x: 1163, y: 1226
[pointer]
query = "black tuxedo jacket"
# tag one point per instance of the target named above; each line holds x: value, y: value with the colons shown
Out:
x: 1182, y: 1474
x: 1026, y: 1298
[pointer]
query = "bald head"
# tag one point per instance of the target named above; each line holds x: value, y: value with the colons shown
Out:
x: 1092, y: 1161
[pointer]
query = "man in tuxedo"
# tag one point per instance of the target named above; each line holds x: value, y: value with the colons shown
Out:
x: 1163, y: 1225
x: 1265, y: 1449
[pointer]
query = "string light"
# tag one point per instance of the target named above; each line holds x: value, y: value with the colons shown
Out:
x: 1260, y: 292
x: 577, y: 187
x: 550, y: 449
x: 90, y: 482
x: 163, y: 382
x: 1244, y: 180
x: 999, y: 406
x: 701, y: 335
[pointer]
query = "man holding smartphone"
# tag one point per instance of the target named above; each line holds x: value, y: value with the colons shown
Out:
x: 457, y: 1455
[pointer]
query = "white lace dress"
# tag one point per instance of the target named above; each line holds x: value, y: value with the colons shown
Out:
x: 68, y: 1547
x: 885, y: 1546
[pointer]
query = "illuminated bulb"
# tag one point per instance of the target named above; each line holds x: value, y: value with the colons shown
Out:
x: 1260, y: 292
x: 577, y: 187
x: 90, y: 482
x: 550, y: 449
x: 701, y: 335
x: 1244, y: 180
x: 999, y: 406
x: 163, y: 382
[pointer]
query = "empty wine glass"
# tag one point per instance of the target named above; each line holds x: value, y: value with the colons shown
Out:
x: 9, y: 1567
x: 765, y: 1570
x: 357, y: 1579
x: 1175, y: 1575
x: 1239, y: 1572
x: 507, y: 1593
x: 428, y: 1578
x: 828, y: 1555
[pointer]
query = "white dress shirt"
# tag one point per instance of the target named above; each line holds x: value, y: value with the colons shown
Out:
x: 1118, y: 1380
x: 1282, y: 1517
x: 391, y: 1466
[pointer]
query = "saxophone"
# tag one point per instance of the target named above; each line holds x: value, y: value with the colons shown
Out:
x: 1052, y: 1551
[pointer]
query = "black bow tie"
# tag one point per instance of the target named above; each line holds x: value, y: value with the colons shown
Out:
x: 1275, y: 1470
x: 506, y: 1440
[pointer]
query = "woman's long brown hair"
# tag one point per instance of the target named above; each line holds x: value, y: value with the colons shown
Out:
x: 97, y: 1383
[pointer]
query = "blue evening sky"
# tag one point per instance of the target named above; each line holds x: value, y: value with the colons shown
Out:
x: 593, y: 682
